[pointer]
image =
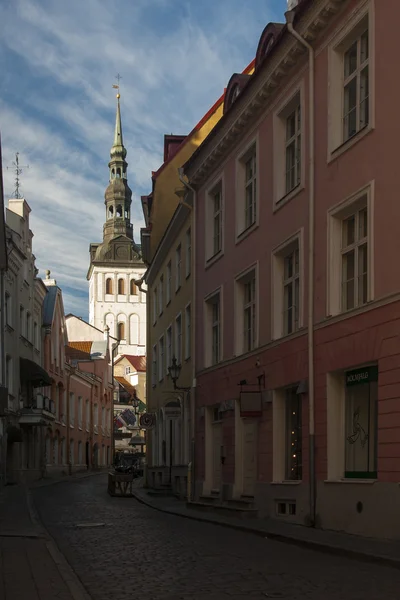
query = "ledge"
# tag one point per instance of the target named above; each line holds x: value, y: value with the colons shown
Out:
x: 352, y: 481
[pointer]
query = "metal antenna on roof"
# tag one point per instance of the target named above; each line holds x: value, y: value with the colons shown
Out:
x: 18, y: 170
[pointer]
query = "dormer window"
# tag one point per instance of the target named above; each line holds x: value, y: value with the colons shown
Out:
x: 269, y: 42
x: 235, y: 93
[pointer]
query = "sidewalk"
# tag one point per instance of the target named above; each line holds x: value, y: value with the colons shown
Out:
x: 31, y: 566
x: 343, y: 544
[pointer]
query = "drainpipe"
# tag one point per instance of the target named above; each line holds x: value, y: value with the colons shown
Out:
x: 193, y: 348
x: 290, y: 15
x: 113, y: 349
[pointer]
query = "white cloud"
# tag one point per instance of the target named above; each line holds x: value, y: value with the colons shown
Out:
x: 57, y: 107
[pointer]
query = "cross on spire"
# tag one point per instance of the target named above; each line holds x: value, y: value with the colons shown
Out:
x: 18, y: 170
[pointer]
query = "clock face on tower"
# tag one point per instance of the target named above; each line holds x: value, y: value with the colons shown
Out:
x: 122, y: 252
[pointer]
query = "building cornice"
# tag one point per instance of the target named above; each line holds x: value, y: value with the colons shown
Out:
x: 261, y: 89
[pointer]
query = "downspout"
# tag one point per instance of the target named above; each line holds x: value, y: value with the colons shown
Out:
x: 290, y: 15
x: 113, y: 349
x: 193, y: 348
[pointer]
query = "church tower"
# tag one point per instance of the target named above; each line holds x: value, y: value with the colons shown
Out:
x: 115, y: 264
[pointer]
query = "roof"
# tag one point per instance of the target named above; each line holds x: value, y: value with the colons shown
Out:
x: 82, y: 346
x: 138, y: 362
x: 125, y: 384
x: 76, y: 354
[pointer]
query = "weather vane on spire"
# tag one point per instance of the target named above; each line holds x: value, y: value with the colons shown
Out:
x: 18, y: 169
x: 116, y: 85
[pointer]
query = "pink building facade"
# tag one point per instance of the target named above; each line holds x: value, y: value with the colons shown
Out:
x: 297, y: 336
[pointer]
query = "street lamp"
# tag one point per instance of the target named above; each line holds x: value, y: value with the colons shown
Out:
x: 174, y: 371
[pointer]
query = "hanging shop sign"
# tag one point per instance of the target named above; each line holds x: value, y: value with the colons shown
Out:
x: 360, y: 376
x: 251, y: 404
x: 147, y: 420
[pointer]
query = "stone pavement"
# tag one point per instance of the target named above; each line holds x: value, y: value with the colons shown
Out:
x: 31, y: 566
x: 332, y: 542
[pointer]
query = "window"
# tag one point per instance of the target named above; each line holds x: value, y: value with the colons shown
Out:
x: 7, y: 308
x: 291, y: 291
x: 155, y: 304
x: 188, y: 331
x: 9, y: 374
x: 80, y: 460
x: 351, y: 83
x: 154, y: 366
x: 96, y: 415
x: 64, y: 408
x: 103, y: 419
x: 160, y: 295
x: 35, y: 335
x: 293, y: 149
x: 21, y: 321
x: 109, y: 285
x: 178, y: 339
x: 246, y: 317
x: 178, y: 264
x: 161, y: 359
x: 293, y: 435
x: 58, y: 401
x: 108, y: 421
x: 169, y: 278
x: 127, y: 370
x: 72, y: 409
x: 134, y: 289
x: 355, y: 260
x: 121, y: 331
x: 87, y: 414
x: 188, y: 252
x: 213, y: 329
x: 287, y: 287
x: 250, y: 190
x: 28, y: 326
x: 350, y: 252
x: 214, y: 221
x: 169, y: 348
x: 356, y: 86
x: 80, y: 411
x: 121, y: 287
x: 72, y: 452
x: 361, y: 422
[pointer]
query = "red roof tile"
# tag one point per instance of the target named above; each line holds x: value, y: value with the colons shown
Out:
x: 138, y: 362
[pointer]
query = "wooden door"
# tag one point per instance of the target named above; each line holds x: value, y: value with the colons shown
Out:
x: 249, y: 457
x: 216, y: 445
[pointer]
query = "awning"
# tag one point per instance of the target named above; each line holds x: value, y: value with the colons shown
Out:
x: 34, y: 373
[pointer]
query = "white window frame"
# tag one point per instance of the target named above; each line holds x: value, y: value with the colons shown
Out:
x: 278, y: 307
x: 188, y: 330
x: 293, y: 102
x: 178, y: 339
x: 241, y: 280
x: 178, y: 267
x: 80, y: 416
x: 155, y: 305
x: 243, y: 228
x: 188, y: 258
x: 213, y: 356
x: 161, y: 357
x: 168, y: 348
x: 8, y: 309
x: 161, y: 295
x: 71, y: 409
x: 87, y: 416
x: 212, y: 217
x: 154, y: 371
x: 362, y: 197
x: 168, y: 282
x: 360, y: 19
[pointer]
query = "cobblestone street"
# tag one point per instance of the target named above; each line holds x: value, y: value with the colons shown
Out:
x: 133, y: 551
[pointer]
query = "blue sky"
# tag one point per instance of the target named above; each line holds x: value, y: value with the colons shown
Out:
x: 58, y: 62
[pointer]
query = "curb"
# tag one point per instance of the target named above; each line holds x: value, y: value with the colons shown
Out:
x: 68, y: 575
x: 65, y: 479
x: 284, y: 538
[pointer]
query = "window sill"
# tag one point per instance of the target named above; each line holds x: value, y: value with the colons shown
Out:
x: 72, y: 426
x: 339, y: 150
x: 353, y: 481
x: 288, y: 197
x: 80, y: 428
x: 287, y: 482
x: 177, y: 289
x: 288, y: 336
x: 188, y: 275
x: 214, y: 258
x: 246, y: 232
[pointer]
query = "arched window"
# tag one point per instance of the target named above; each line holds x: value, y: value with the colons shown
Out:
x: 133, y: 288
x: 126, y: 213
x: 110, y: 212
x: 119, y: 210
x: 121, y: 331
x: 118, y: 173
x: 109, y: 286
x: 112, y: 173
x: 121, y: 286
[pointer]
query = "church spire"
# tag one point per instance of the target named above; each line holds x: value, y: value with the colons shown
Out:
x: 118, y: 145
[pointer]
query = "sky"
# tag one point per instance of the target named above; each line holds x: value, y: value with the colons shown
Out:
x: 58, y: 62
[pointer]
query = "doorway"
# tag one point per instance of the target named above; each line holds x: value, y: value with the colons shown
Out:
x: 249, y: 457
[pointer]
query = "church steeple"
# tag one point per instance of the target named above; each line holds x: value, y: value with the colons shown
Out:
x: 118, y: 195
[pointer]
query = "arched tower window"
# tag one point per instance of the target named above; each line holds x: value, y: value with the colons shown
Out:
x: 110, y: 212
x: 133, y: 288
x: 119, y: 210
x: 109, y: 286
x: 118, y: 173
x: 121, y: 286
x: 126, y: 213
x: 121, y: 331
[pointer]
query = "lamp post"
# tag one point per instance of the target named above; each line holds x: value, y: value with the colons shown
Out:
x: 174, y: 371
